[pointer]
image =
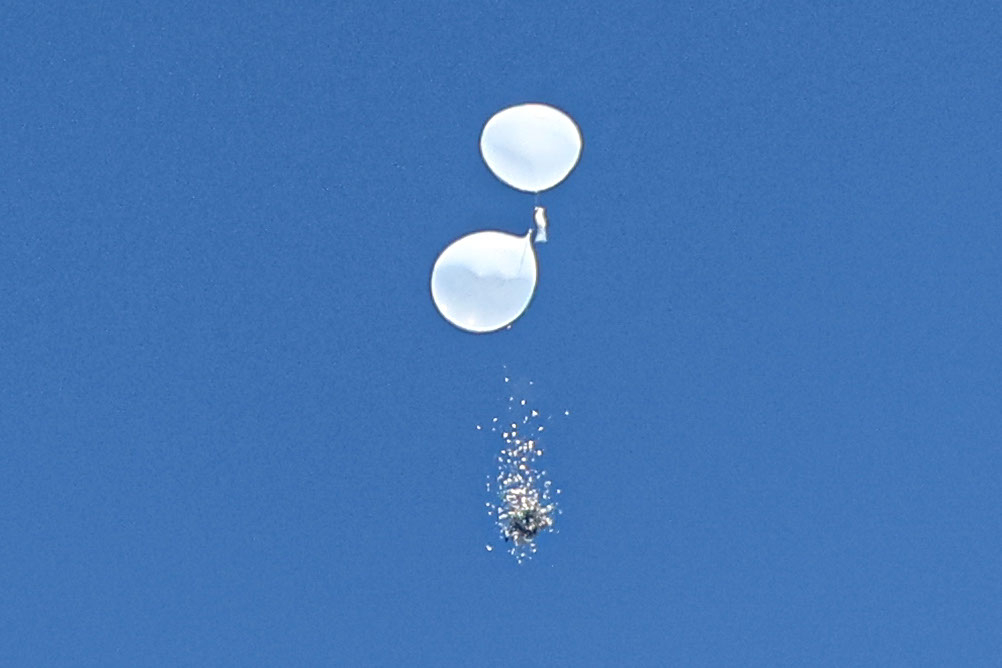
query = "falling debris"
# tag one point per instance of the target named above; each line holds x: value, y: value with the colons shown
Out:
x: 522, y: 506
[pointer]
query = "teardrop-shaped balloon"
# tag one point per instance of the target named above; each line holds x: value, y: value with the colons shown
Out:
x: 484, y: 281
x: 531, y: 147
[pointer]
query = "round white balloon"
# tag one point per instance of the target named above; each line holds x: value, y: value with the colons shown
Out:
x: 531, y: 147
x: 484, y: 281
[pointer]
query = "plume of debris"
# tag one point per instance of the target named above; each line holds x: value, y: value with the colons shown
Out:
x: 523, y: 507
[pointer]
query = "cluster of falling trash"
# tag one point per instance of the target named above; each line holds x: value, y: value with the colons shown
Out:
x: 523, y: 505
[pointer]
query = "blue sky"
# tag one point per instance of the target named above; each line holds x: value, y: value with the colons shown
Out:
x: 235, y: 431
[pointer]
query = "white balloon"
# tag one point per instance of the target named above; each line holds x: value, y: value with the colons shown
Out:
x: 484, y: 281
x: 531, y: 147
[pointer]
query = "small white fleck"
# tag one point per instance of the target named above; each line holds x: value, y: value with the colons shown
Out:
x: 489, y: 548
